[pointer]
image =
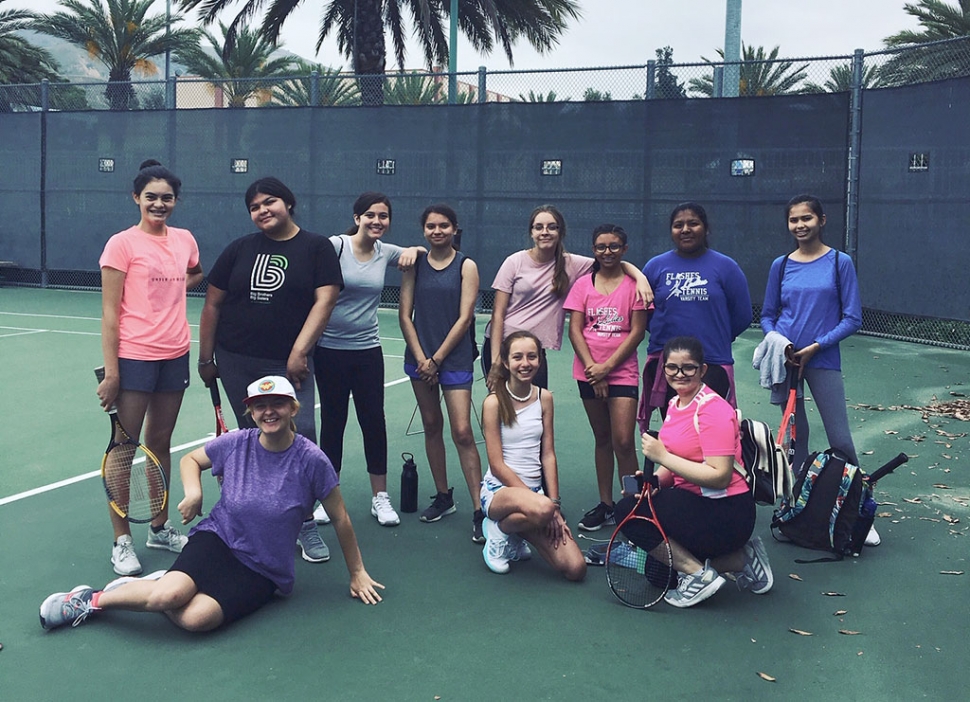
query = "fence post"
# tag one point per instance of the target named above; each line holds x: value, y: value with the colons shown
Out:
x: 314, y: 88
x: 851, y: 242
x: 651, y: 91
x: 44, y: 107
x: 718, y: 82
x: 482, y: 91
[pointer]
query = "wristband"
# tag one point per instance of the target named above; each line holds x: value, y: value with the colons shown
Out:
x: 557, y: 502
x: 202, y: 363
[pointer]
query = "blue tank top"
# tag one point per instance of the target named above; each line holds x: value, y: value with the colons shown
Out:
x: 437, y: 306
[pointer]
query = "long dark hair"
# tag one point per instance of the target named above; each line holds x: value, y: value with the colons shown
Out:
x: 614, y: 229
x: 560, y: 278
x: 506, y: 411
x: 364, y: 202
x: 152, y: 170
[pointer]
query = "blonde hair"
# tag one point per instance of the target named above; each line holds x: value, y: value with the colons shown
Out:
x: 296, y: 410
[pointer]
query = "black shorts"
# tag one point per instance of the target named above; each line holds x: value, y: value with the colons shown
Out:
x: 217, y: 572
x: 587, y: 393
x: 171, y: 375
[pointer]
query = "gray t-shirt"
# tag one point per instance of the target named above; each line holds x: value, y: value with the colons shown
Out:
x: 353, y: 324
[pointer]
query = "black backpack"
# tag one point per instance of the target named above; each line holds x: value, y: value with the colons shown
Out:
x: 832, y: 507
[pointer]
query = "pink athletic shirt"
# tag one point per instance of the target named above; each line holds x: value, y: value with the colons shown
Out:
x: 719, y: 435
x: 606, y: 325
x: 532, y: 305
x: 152, y: 324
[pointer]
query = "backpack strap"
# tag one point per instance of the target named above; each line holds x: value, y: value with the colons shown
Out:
x: 697, y: 425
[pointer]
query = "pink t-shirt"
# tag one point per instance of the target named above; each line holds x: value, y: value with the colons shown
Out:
x: 532, y: 305
x: 606, y: 326
x: 153, y: 325
x: 719, y: 435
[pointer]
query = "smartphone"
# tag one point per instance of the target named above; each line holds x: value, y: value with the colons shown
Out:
x: 632, y: 484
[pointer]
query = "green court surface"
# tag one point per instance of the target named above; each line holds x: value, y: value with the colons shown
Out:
x: 448, y: 628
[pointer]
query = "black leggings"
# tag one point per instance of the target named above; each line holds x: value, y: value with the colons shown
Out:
x: 706, y: 527
x: 339, y: 373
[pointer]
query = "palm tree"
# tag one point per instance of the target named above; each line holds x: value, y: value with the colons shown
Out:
x: 941, y: 49
x: 413, y: 88
x: 120, y: 36
x: 667, y: 87
x: 239, y: 70
x: 760, y: 74
x: 840, y: 80
x: 333, y: 89
x: 359, y: 27
x: 541, y: 97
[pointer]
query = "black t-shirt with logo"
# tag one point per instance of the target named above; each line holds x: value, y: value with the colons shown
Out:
x: 270, y: 288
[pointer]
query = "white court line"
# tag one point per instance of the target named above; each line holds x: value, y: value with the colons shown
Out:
x: 51, y: 316
x: 97, y: 473
x: 20, y: 332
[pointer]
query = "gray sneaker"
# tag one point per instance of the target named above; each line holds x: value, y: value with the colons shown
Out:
x: 756, y: 575
x: 168, y: 539
x: 66, y: 607
x: 518, y: 549
x: 124, y: 561
x: 444, y: 503
x: 118, y: 582
x: 693, y: 588
x: 311, y: 543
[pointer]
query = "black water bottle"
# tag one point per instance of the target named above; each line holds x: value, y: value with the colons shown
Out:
x: 409, y: 484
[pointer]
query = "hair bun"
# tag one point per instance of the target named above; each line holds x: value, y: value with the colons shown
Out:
x: 148, y: 164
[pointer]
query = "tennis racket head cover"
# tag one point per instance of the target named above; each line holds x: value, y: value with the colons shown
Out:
x: 132, y: 475
x: 637, y: 578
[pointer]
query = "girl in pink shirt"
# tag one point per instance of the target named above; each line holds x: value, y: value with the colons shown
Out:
x: 145, y: 273
x: 607, y: 324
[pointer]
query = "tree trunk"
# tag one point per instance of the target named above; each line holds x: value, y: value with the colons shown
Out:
x: 369, y: 52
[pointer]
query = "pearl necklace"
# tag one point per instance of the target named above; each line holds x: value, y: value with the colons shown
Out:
x: 516, y: 397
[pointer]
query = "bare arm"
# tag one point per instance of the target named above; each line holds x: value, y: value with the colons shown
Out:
x: 190, y: 469
x: 193, y: 276
x: 112, y: 288
x: 409, y: 257
x: 644, y: 291
x: 714, y: 472
x: 597, y: 372
x: 208, y: 323
x: 405, y: 313
x: 325, y: 298
x: 362, y: 586
x: 466, y: 311
x: 492, y: 430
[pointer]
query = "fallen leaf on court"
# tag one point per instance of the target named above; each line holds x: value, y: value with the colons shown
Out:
x: 952, y: 520
x: 849, y: 632
x: 884, y: 514
x: 765, y: 676
x: 946, y: 455
x: 834, y: 594
x: 913, y: 501
x: 859, y: 653
x: 795, y: 576
x: 437, y: 697
x: 800, y: 632
x: 941, y: 486
x: 753, y: 641
x: 951, y: 572
x: 929, y: 519
x: 868, y: 453
x: 840, y: 612
x: 890, y: 432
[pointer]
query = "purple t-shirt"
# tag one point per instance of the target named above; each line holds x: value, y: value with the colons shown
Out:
x: 265, y: 498
x: 607, y: 325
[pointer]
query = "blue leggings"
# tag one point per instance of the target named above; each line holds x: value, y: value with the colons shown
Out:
x: 828, y: 392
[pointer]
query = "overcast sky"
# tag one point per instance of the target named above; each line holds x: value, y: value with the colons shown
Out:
x: 627, y: 32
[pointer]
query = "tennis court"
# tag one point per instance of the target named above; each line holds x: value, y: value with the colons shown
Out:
x: 448, y: 629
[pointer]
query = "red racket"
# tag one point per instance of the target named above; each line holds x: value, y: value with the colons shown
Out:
x: 221, y: 427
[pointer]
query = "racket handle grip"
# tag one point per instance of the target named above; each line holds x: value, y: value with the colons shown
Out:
x: 214, y: 394
x: 99, y: 373
x: 888, y: 468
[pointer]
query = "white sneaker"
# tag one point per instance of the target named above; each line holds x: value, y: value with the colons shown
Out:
x: 380, y: 507
x: 123, y: 557
x: 496, y: 550
x: 168, y: 539
x: 872, y: 538
x: 320, y: 515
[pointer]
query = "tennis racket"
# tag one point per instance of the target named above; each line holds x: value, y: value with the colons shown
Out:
x: 133, y: 478
x: 639, y: 579
x: 221, y: 427
x: 786, y: 432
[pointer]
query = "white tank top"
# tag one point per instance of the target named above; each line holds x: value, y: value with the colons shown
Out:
x: 522, y: 444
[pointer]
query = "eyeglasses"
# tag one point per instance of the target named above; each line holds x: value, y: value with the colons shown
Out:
x: 545, y: 227
x: 688, y: 369
x: 613, y: 248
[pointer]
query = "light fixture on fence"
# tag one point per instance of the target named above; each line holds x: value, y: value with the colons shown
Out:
x: 919, y: 163
x: 386, y: 166
x: 239, y: 165
x: 551, y: 167
x: 106, y: 165
x: 742, y: 167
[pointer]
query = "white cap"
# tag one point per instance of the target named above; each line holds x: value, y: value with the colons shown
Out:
x: 268, y: 386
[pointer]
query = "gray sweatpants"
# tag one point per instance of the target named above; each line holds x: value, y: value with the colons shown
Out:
x: 828, y: 393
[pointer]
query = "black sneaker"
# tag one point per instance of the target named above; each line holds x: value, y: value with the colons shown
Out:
x: 601, y: 515
x: 478, y: 536
x: 443, y: 504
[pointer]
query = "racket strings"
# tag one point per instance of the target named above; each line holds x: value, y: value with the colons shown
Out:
x: 135, y: 482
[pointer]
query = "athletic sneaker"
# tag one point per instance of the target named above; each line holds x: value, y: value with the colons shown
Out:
x: 601, y: 515
x: 624, y: 554
x: 756, y: 575
x: 118, y: 582
x: 496, y: 551
x: 123, y: 557
x: 311, y: 543
x: 320, y: 515
x: 380, y: 507
x: 444, y: 503
x: 67, y: 607
x: 519, y: 549
x: 478, y: 536
x: 168, y: 538
x: 872, y: 538
x: 695, y: 587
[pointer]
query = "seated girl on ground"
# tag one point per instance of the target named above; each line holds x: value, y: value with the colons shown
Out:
x: 517, y: 422
x: 703, y: 503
